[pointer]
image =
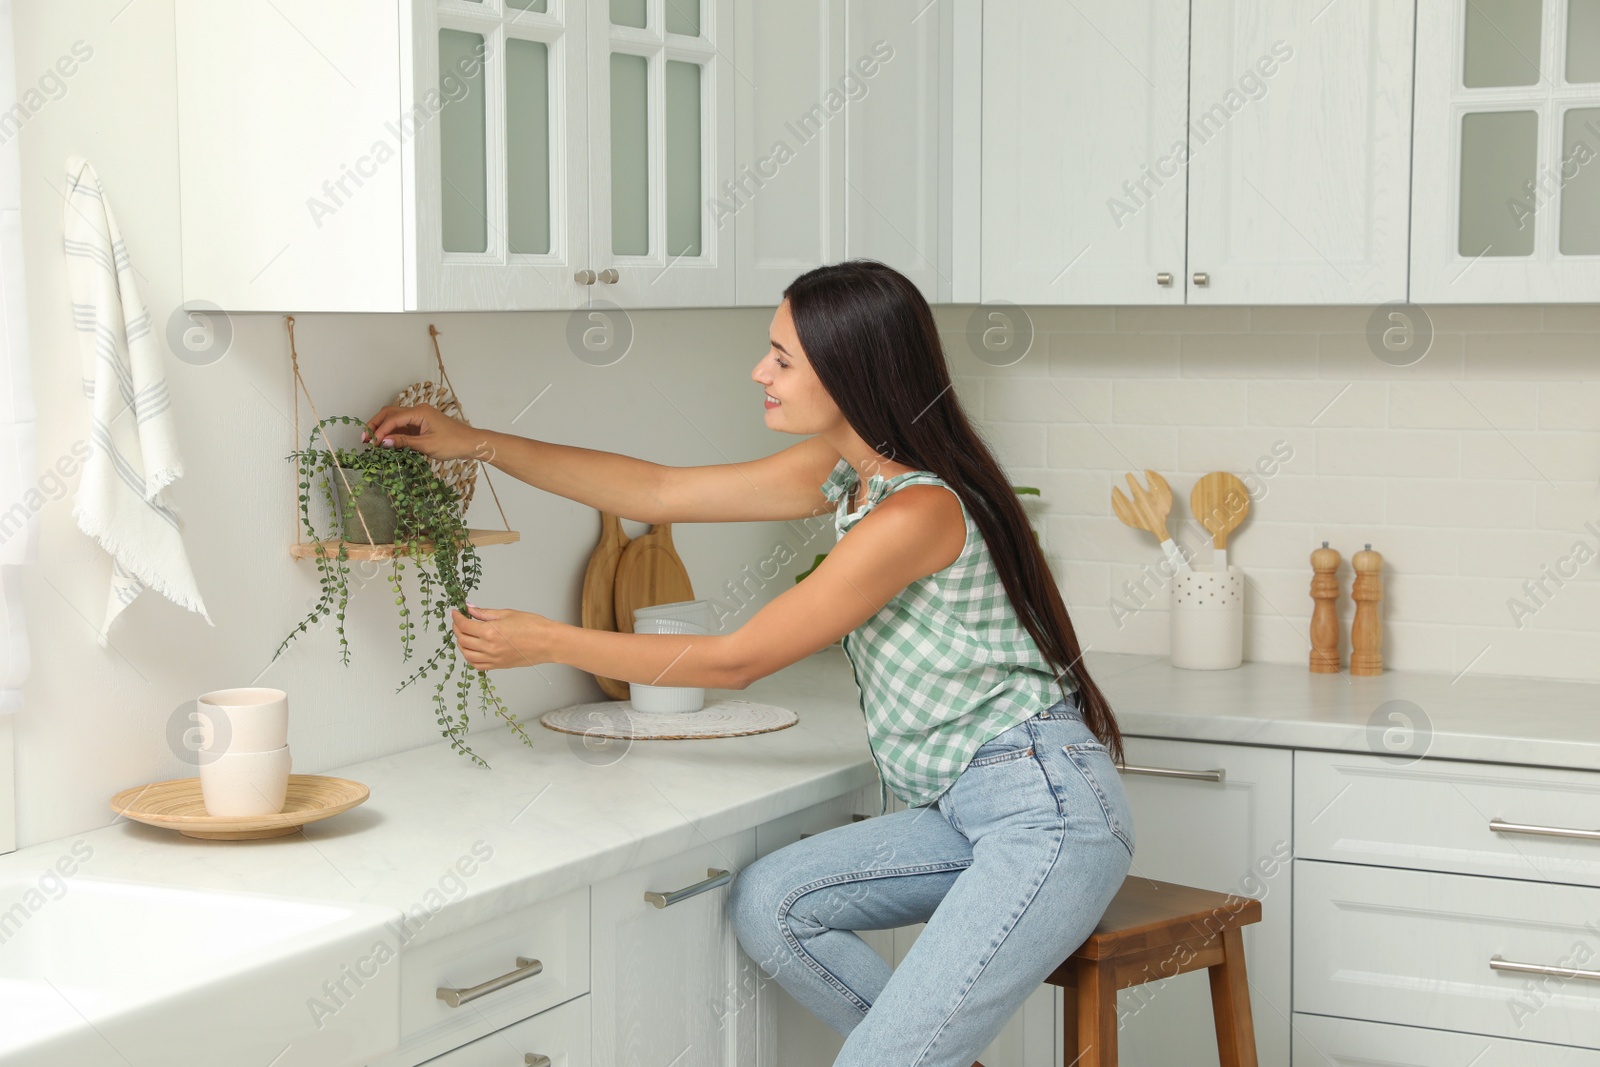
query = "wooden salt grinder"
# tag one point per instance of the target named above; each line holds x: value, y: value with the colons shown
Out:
x: 1366, y: 632
x: 1325, y: 615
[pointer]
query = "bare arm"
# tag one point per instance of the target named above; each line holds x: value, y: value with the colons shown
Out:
x: 784, y: 485
x: 909, y: 535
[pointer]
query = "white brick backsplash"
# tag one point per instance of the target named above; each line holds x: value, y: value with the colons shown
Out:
x: 1523, y: 356
x: 1201, y: 450
x: 1292, y: 498
x: 1463, y: 405
x: 1182, y: 400
x: 1441, y: 465
x: 1395, y: 453
x: 1460, y: 502
x: 1569, y: 406
x: 1113, y: 448
x: 1552, y: 455
x: 1249, y: 355
x: 1052, y: 400
x: 1347, y: 357
x: 1567, y: 507
x: 1015, y: 444
x: 1323, y: 404
x: 1114, y: 355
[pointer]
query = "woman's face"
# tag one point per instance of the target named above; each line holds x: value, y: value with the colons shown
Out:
x: 795, y: 400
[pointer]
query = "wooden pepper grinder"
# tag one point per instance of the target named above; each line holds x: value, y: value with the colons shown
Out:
x: 1366, y: 633
x: 1325, y: 615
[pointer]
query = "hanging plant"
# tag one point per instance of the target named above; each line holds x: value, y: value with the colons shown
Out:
x: 392, y: 495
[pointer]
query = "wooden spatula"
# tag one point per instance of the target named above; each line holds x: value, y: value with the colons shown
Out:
x: 649, y: 573
x: 599, y: 591
x: 1220, y: 503
x: 1148, y: 511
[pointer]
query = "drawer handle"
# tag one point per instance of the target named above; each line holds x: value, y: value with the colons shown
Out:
x: 1217, y: 775
x: 526, y: 968
x: 666, y: 900
x: 1541, y: 968
x: 1500, y: 826
x: 536, y: 1059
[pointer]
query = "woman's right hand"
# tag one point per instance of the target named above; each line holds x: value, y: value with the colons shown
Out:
x: 426, y: 429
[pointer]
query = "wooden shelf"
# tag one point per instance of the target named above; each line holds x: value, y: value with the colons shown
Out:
x: 357, y: 551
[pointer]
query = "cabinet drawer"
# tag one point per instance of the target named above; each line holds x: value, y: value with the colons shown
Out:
x: 555, y: 1038
x: 555, y: 932
x: 1415, y: 947
x: 1320, y: 1041
x: 1443, y: 815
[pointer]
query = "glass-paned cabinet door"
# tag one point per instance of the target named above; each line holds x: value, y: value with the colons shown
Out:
x: 661, y: 123
x: 498, y: 212
x: 1506, y: 185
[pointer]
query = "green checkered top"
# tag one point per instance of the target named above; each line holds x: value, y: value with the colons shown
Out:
x: 946, y: 664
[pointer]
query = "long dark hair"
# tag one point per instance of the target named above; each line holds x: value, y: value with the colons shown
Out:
x: 870, y: 337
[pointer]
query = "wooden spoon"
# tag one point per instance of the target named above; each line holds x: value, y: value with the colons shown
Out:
x: 1219, y: 503
x: 599, y: 591
x: 1148, y: 511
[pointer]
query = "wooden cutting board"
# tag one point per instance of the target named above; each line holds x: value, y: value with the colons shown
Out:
x: 599, y: 591
x: 649, y: 572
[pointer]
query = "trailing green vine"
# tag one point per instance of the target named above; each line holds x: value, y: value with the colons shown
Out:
x: 430, y: 533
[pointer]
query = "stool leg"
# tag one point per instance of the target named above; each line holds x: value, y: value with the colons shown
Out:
x: 1096, y: 1011
x: 1230, y: 1004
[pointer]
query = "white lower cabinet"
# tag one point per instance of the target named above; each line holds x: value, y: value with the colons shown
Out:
x: 1436, y: 950
x: 1321, y: 1041
x: 1218, y: 817
x: 669, y: 984
x: 555, y: 1038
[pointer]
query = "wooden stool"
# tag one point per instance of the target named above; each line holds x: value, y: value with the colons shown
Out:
x: 1154, y: 930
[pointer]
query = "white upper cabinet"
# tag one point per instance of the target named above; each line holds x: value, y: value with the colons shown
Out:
x: 1506, y: 204
x: 1299, y: 151
x: 1084, y: 115
x: 661, y: 141
x: 454, y: 154
x: 1218, y: 152
x: 498, y: 213
x: 843, y: 151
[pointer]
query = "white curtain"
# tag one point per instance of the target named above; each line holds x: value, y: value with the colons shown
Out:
x: 19, y: 486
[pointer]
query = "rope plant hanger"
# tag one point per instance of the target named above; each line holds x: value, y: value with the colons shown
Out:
x: 396, y: 504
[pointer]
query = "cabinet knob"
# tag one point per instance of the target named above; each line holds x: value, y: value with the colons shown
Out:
x: 1164, y: 278
x: 584, y: 277
x: 536, y: 1059
x: 1202, y: 278
x: 609, y: 276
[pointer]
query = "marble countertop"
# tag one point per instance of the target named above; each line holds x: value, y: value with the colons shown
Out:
x: 559, y: 815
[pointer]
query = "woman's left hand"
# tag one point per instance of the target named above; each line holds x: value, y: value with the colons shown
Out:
x: 497, y: 638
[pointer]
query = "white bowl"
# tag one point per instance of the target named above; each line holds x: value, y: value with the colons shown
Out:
x: 696, y: 612
x: 246, y: 783
x: 663, y: 698
x: 243, y: 720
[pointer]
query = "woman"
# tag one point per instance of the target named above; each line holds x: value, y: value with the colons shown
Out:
x: 980, y: 713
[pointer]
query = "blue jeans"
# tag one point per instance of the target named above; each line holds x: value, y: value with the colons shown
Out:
x: 1011, y: 868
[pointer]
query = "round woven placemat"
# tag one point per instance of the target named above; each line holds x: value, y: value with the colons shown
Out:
x: 722, y: 717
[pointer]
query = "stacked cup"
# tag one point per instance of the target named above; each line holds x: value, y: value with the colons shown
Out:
x: 679, y: 617
x: 244, y: 761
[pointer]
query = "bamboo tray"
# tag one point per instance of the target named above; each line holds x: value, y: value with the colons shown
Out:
x: 356, y: 550
x: 177, y: 805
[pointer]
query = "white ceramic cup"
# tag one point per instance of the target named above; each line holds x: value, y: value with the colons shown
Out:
x: 243, y: 720
x: 246, y: 783
x: 665, y: 698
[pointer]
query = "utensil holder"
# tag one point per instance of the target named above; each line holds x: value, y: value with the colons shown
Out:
x: 1207, y: 617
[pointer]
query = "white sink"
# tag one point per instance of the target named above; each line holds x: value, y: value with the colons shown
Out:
x: 118, y: 972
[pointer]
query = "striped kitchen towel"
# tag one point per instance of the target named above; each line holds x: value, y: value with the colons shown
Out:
x: 134, y: 453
